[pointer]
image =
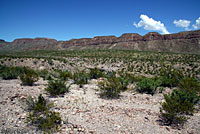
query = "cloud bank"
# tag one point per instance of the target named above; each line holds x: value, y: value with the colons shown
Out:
x: 151, y: 24
x: 182, y: 23
x: 197, y: 25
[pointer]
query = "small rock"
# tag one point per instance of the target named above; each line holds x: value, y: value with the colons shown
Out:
x: 91, y: 131
x: 23, y: 116
x: 75, y: 126
x: 146, y: 118
x: 16, y: 113
x: 83, y: 130
x: 167, y: 128
x: 71, y: 132
x: 79, y: 129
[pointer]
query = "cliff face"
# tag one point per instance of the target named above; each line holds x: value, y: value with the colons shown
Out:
x: 180, y: 42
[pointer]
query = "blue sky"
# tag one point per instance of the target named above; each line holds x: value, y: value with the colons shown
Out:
x: 67, y: 19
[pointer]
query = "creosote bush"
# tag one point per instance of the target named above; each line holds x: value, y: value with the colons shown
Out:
x: 124, y: 80
x: 110, y: 74
x: 56, y: 87
x: 29, y: 77
x: 148, y: 85
x: 177, y: 105
x: 65, y: 75
x: 8, y: 73
x: 133, y: 78
x: 110, y: 88
x: 189, y: 84
x: 170, y: 77
x: 42, y: 117
x: 45, y: 74
x: 96, y: 73
x: 80, y: 78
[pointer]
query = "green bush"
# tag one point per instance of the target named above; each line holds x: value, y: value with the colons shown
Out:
x: 148, y: 85
x: 110, y: 74
x: 45, y: 74
x: 65, y: 75
x: 177, y: 105
x: 40, y: 104
x: 42, y: 117
x: 110, y: 88
x: 133, y: 78
x: 29, y: 77
x: 8, y: 73
x: 29, y: 103
x: 189, y: 84
x: 170, y: 77
x: 56, y: 87
x: 124, y: 80
x: 96, y: 73
x: 80, y: 78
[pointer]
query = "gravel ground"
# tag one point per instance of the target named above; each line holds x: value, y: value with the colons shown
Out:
x: 84, y: 112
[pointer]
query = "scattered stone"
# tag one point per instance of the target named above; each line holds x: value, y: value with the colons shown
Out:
x: 87, y: 113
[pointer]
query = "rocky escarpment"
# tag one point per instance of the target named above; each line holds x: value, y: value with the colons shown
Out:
x: 3, y: 43
x: 179, y: 42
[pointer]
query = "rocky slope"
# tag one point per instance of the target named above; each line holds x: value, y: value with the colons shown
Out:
x: 180, y: 42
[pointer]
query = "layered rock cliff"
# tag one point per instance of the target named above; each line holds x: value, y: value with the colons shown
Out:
x: 179, y: 42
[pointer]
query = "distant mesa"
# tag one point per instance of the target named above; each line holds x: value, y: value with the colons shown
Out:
x: 186, y: 42
x: 2, y: 40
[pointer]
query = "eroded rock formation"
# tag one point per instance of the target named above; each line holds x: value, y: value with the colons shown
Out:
x: 179, y: 42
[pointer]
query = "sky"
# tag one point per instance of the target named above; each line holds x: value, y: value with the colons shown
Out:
x: 71, y: 19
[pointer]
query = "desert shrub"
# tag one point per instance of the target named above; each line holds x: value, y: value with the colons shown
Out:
x: 29, y: 77
x: 56, y: 87
x: 42, y: 117
x: 170, y: 77
x: 177, y: 105
x: 8, y: 73
x: 189, y: 84
x: 96, y: 73
x: 50, y: 62
x: 45, y: 74
x: 124, y: 80
x: 110, y: 88
x: 148, y: 85
x: 29, y: 103
x: 110, y: 74
x: 80, y: 78
x: 41, y: 104
x: 135, y: 78
x: 65, y: 75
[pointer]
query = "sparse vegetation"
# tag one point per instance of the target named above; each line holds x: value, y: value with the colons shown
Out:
x: 189, y: 84
x: 148, y: 85
x: 65, y: 75
x: 41, y: 115
x: 80, y: 78
x: 96, y: 73
x: 8, y: 73
x: 149, y: 71
x: 56, y: 87
x: 29, y: 77
x: 110, y: 88
x: 170, y: 76
x: 177, y: 105
x: 45, y: 74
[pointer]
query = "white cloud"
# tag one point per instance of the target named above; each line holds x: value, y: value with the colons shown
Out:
x: 151, y: 24
x: 197, y: 25
x: 182, y: 23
